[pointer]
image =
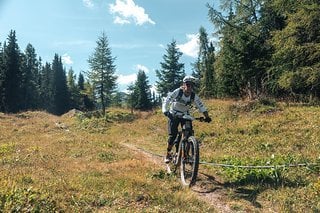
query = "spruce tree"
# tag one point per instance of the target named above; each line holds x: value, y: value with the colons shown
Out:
x: 272, y: 20
x: 11, y: 75
x: 46, y: 88
x: 296, y: 57
x: 80, y: 82
x: 142, y: 92
x: 132, y: 97
x: 227, y: 63
x: 102, y: 72
x: 2, y: 79
x: 73, y: 90
x: 30, y: 79
x: 205, y: 65
x: 171, y: 72
x: 243, y: 54
x: 118, y: 99
x: 86, y: 94
x: 61, y: 97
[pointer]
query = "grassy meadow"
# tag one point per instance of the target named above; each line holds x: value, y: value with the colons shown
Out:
x: 81, y: 163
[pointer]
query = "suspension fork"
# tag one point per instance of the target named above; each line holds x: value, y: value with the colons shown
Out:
x: 178, y: 141
x: 184, y: 141
x: 187, y: 132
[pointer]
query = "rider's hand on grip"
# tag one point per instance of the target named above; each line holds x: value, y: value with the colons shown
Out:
x: 208, y: 119
x: 168, y: 114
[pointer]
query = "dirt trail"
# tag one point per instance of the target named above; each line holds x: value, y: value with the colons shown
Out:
x: 206, y: 188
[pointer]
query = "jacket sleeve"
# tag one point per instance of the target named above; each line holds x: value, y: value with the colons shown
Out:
x: 166, y: 102
x: 199, y: 104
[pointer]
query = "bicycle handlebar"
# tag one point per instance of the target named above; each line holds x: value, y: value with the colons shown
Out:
x: 188, y: 117
x: 201, y: 119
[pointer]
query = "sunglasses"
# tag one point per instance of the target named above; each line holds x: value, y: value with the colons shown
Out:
x: 189, y: 85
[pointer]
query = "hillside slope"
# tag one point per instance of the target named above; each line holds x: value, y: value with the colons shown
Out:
x: 50, y: 164
x: 77, y: 163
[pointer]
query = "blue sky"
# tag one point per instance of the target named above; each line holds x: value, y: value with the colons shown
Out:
x: 138, y: 31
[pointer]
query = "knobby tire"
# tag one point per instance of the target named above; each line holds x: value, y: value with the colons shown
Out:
x: 190, y: 162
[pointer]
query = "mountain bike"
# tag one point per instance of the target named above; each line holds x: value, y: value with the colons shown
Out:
x: 185, y: 153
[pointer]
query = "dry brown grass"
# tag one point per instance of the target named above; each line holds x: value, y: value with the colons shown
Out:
x: 51, y: 163
x: 73, y: 163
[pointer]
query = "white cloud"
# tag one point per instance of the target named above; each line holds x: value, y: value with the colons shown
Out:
x: 126, y: 79
x: 66, y: 59
x: 191, y: 47
x: 141, y: 67
x: 119, y: 20
x: 88, y: 3
x: 127, y: 10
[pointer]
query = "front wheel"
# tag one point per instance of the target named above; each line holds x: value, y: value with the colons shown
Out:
x: 190, y: 162
x: 176, y: 158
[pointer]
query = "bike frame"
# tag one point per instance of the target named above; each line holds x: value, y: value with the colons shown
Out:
x: 183, y: 145
x: 186, y: 132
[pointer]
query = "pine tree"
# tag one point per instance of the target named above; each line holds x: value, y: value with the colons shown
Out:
x: 2, y: 79
x: 80, y: 82
x: 102, y: 72
x: 172, y: 72
x: 30, y: 79
x: 118, y: 98
x: 73, y: 90
x: 205, y: 65
x: 243, y: 55
x: 142, y: 92
x: 86, y: 94
x: 132, y: 96
x: 296, y: 58
x: 156, y: 99
x: 11, y: 75
x: 272, y: 20
x: 88, y: 97
x: 227, y: 63
x: 61, y: 97
x: 46, y: 88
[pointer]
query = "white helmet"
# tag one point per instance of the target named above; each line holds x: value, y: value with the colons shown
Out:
x: 190, y: 79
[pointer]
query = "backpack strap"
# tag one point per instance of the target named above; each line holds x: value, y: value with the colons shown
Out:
x: 192, y: 97
x: 180, y: 95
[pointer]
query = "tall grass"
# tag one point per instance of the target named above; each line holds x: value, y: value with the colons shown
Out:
x: 80, y: 163
x: 51, y: 164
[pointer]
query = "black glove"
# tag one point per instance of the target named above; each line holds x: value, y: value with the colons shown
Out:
x: 168, y: 114
x: 208, y: 119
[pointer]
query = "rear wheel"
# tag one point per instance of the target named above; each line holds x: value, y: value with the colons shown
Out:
x: 190, y: 162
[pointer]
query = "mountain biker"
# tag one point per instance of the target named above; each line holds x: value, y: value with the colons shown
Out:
x: 178, y: 103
